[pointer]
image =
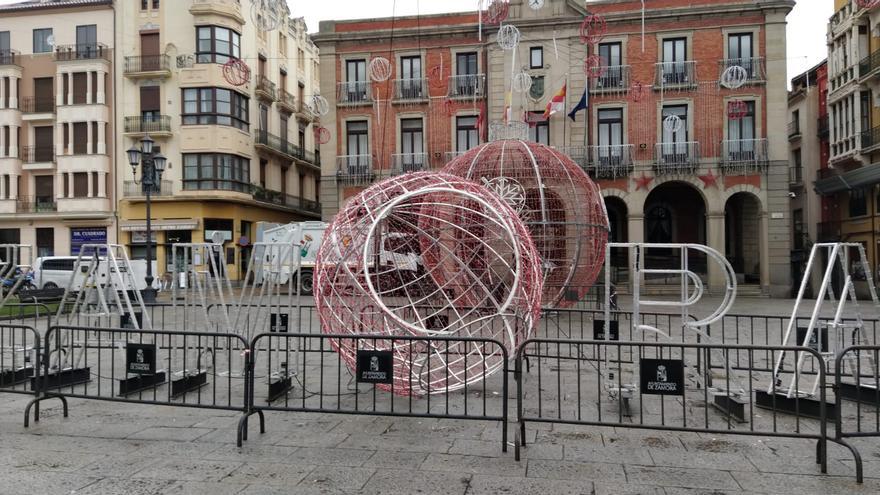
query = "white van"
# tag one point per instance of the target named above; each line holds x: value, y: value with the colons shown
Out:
x: 53, y: 272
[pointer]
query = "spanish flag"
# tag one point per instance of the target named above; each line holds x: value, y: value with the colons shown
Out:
x: 557, y: 103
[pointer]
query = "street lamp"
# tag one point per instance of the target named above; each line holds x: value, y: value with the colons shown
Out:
x: 151, y: 175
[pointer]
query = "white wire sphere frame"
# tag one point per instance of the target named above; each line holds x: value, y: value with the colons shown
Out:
x: 522, y: 82
x: 560, y: 205
x: 320, y: 105
x: 266, y: 14
x: 380, y: 69
x: 734, y: 77
x: 672, y: 123
x: 508, y: 37
x: 429, y: 255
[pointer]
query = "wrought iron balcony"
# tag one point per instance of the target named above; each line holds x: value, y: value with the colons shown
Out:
x: 610, y: 161
x: 131, y: 189
x: 795, y: 175
x: 286, y: 102
x: 675, y: 74
x: 265, y: 89
x: 467, y: 86
x: 870, y: 139
x: 611, y: 78
x: 147, y: 64
x: 81, y: 51
x: 9, y: 57
x: 678, y: 158
x: 744, y: 156
x: 404, y: 163
x: 410, y: 89
x: 794, y: 129
x: 869, y: 65
x: 278, y: 198
x: 38, y: 154
x: 36, y: 204
x: 754, y: 67
x: 279, y: 146
x: 576, y: 153
x: 37, y: 104
x: 353, y: 92
x: 355, y: 169
x: 452, y: 155
x: 138, y: 124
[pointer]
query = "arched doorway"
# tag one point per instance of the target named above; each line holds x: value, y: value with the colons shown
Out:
x: 675, y: 212
x: 742, y: 229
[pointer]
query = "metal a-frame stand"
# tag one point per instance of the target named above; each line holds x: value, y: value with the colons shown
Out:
x: 827, y: 337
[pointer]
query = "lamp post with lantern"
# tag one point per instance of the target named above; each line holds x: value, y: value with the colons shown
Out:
x: 153, y: 164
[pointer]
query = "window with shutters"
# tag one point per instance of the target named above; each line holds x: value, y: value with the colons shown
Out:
x: 80, y: 184
x: 80, y: 138
x: 80, y: 87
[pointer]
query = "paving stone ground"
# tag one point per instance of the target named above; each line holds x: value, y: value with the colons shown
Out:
x: 110, y: 448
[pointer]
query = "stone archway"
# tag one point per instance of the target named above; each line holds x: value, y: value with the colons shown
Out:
x: 675, y: 212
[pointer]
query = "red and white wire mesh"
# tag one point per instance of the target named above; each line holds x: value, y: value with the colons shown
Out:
x: 561, y: 206
x: 429, y: 254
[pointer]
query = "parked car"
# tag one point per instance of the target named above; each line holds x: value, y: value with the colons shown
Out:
x: 53, y: 272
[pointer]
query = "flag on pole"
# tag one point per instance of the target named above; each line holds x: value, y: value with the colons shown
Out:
x: 582, y: 105
x: 557, y: 103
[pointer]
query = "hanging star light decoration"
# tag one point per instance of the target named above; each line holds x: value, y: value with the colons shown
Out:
x: 709, y: 180
x: 643, y: 182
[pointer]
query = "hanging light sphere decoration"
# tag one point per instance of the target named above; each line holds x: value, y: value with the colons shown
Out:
x: 737, y: 109
x: 508, y: 37
x: 522, y: 82
x: 428, y: 255
x: 636, y: 92
x: 380, y: 69
x: 672, y: 123
x: 322, y: 135
x: 320, y: 105
x: 867, y: 4
x: 595, y: 66
x: 734, y: 77
x: 560, y: 205
x: 497, y: 12
x: 593, y: 29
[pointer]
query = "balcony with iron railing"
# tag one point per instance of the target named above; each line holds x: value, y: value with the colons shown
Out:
x: 467, y: 86
x: 795, y: 175
x: 82, y: 51
x: 286, y: 102
x: 38, y: 154
x: 147, y: 66
x: 354, y: 93
x: 404, y: 163
x: 870, y: 139
x: 265, y: 89
x: 305, y: 112
x: 610, y: 162
x: 278, y: 198
x: 10, y: 57
x: 355, y: 169
x: 676, y: 158
x: 272, y: 143
x: 36, y: 204
x: 410, y: 89
x: 156, y: 125
x: 675, y: 74
x: 452, y: 155
x: 610, y: 78
x: 37, y: 104
x: 754, y: 67
x: 794, y: 129
x: 744, y: 156
x: 577, y: 153
x: 132, y: 189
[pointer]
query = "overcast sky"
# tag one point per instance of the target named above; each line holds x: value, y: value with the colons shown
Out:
x: 806, y: 23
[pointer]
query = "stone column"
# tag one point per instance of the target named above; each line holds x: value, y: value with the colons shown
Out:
x: 13, y: 141
x: 70, y: 88
x: 13, y: 186
x: 13, y: 92
x: 102, y: 133
x: 90, y: 193
x: 635, y: 227
x: 70, y: 145
x: 59, y: 88
x: 3, y: 186
x: 100, y: 95
x: 69, y: 184
x: 59, y: 139
x: 715, y: 240
x: 764, y: 251
x: 3, y: 93
x: 89, y: 138
x: 2, y: 139
x: 59, y: 186
x: 102, y: 184
x: 89, y: 87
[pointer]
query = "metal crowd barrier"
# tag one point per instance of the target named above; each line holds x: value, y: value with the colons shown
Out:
x: 316, y: 379
x: 857, y: 394
x: 157, y: 367
x: 19, y: 360
x: 35, y: 315
x: 582, y: 382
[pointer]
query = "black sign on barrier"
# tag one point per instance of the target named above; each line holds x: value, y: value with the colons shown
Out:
x: 662, y: 376
x: 375, y: 367
x: 599, y: 330
x: 125, y: 320
x: 278, y: 322
x: 820, y: 335
x: 140, y: 359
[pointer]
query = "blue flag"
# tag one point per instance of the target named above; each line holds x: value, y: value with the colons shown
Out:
x: 582, y: 105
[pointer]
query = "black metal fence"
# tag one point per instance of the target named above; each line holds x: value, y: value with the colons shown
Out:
x: 301, y: 372
x: 857, y: 393
x: 19, y: 358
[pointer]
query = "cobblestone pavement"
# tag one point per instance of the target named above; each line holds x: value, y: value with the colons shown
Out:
x: 109, y: 448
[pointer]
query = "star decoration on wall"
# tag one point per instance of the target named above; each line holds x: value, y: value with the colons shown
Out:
x: 709, y: 179
x: 643, y: 182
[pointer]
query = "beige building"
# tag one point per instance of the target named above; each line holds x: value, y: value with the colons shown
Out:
x: 56, y: 124
x: 237, y: 154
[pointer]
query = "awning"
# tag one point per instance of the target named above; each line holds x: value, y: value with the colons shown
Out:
x: 855, y: 179
x: 141, y: 225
